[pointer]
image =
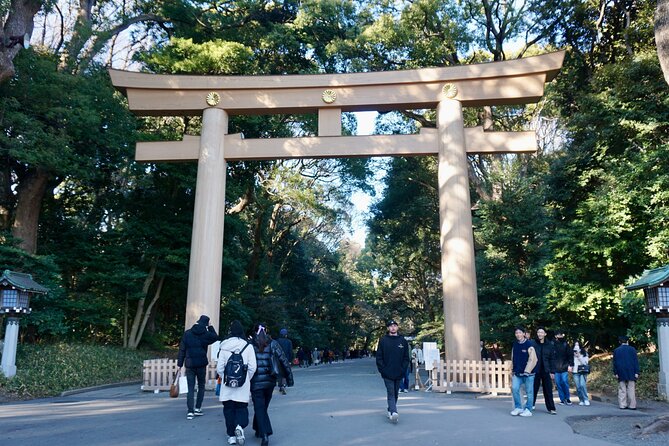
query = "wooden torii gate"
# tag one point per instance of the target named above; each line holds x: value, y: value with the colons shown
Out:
x: 447, y: 89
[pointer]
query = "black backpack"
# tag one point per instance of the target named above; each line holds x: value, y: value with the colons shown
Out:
x: 234, y: 374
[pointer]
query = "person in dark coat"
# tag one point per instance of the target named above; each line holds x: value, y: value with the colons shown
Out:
x: 545, y: 369
x: 271, y: 363
x: 564, y: 359
x: 287, y: 346
x: 392, y: 360
x: 626, y: 370
x: 193, y: 354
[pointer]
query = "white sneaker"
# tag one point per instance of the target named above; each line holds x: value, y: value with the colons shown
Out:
x: 581, y: 403
x: 516, y: 411
x: 526, y: 413
x: 239, y: 435
x: 586, y: 403
x: 232, y: 440
x: 394, y: 417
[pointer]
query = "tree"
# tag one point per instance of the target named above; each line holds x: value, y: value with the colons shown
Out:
x: 16, y: 23
x: 662, y: 35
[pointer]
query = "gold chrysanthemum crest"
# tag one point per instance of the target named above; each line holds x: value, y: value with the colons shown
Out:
x: 329, y: 96
x: 213, y: 98
x: 450, y: 90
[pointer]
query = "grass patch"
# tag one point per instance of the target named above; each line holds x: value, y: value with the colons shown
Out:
x: 602, y: 380
x: 49, y: 369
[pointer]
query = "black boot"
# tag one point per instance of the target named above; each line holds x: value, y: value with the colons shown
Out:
x: 265, y: 440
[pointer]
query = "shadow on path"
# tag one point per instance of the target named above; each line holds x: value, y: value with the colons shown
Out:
x: 338, y: 404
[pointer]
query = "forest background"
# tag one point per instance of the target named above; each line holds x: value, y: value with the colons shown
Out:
x: 557, y: 234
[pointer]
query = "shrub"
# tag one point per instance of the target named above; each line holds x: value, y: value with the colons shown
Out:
x: 49, y: 369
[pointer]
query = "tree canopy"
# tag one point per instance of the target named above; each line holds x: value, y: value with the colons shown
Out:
x: 557, y: 234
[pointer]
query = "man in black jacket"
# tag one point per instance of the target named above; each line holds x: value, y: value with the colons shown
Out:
x: 287, y: 346
x: 545, y: 369
x: 392, y: 359
x: 564, y: 359
x: 193, y: 354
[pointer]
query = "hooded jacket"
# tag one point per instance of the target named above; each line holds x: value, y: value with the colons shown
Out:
x: 392, y: 356
x: 234, y: 344
x: 193, y: 346
x: 564, y: 355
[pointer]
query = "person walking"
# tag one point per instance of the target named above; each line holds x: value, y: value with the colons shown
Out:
x: 287, y: 346
x: 235, y: 400
x: 269, y: 358
x: 193, y: 354
x: 626, y: 370
x: 524, y: 361
x: 564, y: 359
x: 392, y: 360
x: 545, y: 369
x: 580, y: 370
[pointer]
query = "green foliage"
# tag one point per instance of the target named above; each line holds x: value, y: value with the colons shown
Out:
x: 49, y: 369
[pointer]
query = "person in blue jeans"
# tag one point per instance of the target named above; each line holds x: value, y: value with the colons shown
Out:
x: 193, y: 354
x: 564, y: 359
x: 524, y: 361
x: 580, y: 373
x: 392, y: 361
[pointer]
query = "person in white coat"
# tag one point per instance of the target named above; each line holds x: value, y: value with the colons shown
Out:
x: 236, y: 399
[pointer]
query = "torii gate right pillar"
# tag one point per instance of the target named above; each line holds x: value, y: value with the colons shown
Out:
x: 458, y: 272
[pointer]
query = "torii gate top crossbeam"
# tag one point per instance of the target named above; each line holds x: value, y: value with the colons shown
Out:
x: 516, y: 81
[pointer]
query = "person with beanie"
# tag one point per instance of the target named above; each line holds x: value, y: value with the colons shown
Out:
x: 287, y: 346
x: 235, y: 400
x: 392, y: 360
x: 193, y: 354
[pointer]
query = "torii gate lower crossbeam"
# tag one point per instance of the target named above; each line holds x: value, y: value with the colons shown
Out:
x: 447, y: 89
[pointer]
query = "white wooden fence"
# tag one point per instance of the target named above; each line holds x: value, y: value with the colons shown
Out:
x: 462, y: 376
x: 159, y: 374
x: 472, y: 376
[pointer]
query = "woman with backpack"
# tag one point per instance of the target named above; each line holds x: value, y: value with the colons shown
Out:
x: 272, y: 363
x: 235, y: 355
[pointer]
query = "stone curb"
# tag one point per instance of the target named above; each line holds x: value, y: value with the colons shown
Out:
x: 100, y: 387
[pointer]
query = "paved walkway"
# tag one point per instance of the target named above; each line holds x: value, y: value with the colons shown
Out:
x: 338, y: 404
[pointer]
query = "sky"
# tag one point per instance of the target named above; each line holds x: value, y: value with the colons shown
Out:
x: 361, y: 201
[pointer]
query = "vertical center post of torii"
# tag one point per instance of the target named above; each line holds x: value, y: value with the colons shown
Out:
x: 206, y: 254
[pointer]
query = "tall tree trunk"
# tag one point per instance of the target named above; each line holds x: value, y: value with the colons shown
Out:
x: 139, y: 313
x: 254, y: 263
x: 19, y: 23
x: 29, y: 198
x: 133, y: 343
x: 662, y: 35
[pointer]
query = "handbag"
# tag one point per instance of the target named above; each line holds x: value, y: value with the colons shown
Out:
x: 183, y: 385
x: 174, y: 387
x: 583, y: 369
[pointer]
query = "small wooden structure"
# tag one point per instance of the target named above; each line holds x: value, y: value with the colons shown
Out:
x: 472, y: 376
x: 158, y: 374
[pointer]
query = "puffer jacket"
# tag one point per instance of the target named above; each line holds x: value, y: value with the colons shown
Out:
x: 193, y: 346
x: 264, y: 377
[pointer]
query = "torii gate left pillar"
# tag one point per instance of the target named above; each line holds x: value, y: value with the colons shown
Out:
x: 206, y: 254
x: 447, y: 89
